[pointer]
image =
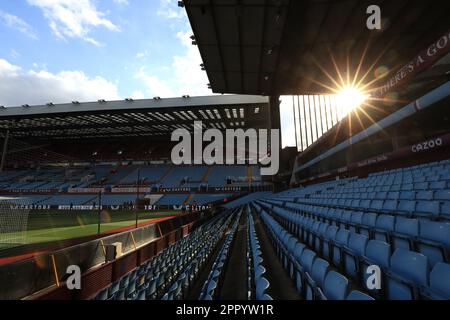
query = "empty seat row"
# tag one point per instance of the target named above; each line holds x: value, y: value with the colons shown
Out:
x: 212, y: 284
x: 441, y: 195
x: 428, y: 209
x: 428, y: 237
x: 405, y: 274
x: 314, y: 278
x: 155, y: 278
x: 257, y: 283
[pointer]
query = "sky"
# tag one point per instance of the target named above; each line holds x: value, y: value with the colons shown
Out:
x: 64, y: 50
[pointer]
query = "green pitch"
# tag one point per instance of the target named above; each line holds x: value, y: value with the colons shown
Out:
x: 53, y: 226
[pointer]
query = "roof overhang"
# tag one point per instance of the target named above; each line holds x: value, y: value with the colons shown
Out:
x: 133, y: 118
x: 287, y: 47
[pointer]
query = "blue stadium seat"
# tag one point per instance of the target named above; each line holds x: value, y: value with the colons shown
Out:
x: 445, y: 210
x: 340, y: 242
x: 262, y: 284
x: 358, y: 295
x: 405, y: 230
x: 329, y: 238
x: 438, y: 185
x: 389, y: 206
x: 368, y: 223
x: 377, y: 253
x: 356, y: 248
x: 356, y: 221
x: 393, y: 195
x: 409, y: 270
x: 434, y: 241
x: 442, y: 195
x: 307, y: 260
x: 384, y: 226
x: 439, y: 288
x: 319, y: 272
x: 407, y: 195
x: 321, y: 232
x: 335, y: 286
x: 425, y: 195
x: 428, y: 208
x: 406, y: 207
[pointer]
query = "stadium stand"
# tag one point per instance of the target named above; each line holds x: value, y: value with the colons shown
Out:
x: 255, y: 266
x: 56, y: 186
x: 171, y: 273
x: 347, y: 226
x: 367, y: 196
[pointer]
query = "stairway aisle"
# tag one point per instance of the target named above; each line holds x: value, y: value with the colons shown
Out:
x: 281, y: 286
x: 235, y: 284
x: 196, y: 288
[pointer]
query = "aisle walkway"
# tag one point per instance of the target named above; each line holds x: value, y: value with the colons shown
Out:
x: 235, y: 283
x: 281, y: 286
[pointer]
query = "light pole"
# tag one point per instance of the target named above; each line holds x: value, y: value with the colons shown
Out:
x: 137, y: 195
x: 99, y: 211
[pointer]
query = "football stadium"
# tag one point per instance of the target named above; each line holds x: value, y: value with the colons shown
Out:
x: 108, y: 200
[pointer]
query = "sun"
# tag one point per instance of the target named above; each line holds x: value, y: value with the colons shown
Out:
x: 350, y: 98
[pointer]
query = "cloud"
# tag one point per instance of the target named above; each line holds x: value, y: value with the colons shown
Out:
x: 7, y: 68
x: 142, y: 55
x: 122, y: 2
x: 138, y: 95
x: 190, y: 78
x: 187, y: 78
x: 17, y: 23
x: 73, y: 18
x: 154, y: 85
x: 18, y: 86
x: 169, y: 9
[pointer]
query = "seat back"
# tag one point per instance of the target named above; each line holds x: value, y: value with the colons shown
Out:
x: 335, y: 286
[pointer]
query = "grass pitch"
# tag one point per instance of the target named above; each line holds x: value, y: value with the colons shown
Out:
x: 47, y: 226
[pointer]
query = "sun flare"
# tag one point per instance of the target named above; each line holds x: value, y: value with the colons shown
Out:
x: 350, y: 98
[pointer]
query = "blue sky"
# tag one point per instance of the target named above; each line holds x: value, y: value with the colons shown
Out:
x: 65, y: 50
x: 124, y: 48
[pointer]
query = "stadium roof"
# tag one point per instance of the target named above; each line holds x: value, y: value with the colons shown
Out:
x: 134, y: 118
x: 282, y: 47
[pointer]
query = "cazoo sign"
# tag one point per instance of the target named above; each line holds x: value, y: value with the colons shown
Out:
x: 427, y: 145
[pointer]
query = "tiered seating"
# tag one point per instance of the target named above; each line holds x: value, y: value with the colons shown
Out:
x: 351, y: 225
x: 170, y: 274
x: 211, y: 285
x: 218, y: 176
x: 247, y: 199
x: 176, y: 176
x: 117, y: 199
x: 172, y: 199
x: 313, y: 276
x: 146, y: 173
x: 70, y: 199
x: 257, y: 283
x: 417, y: 192
x: 352, y: 253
